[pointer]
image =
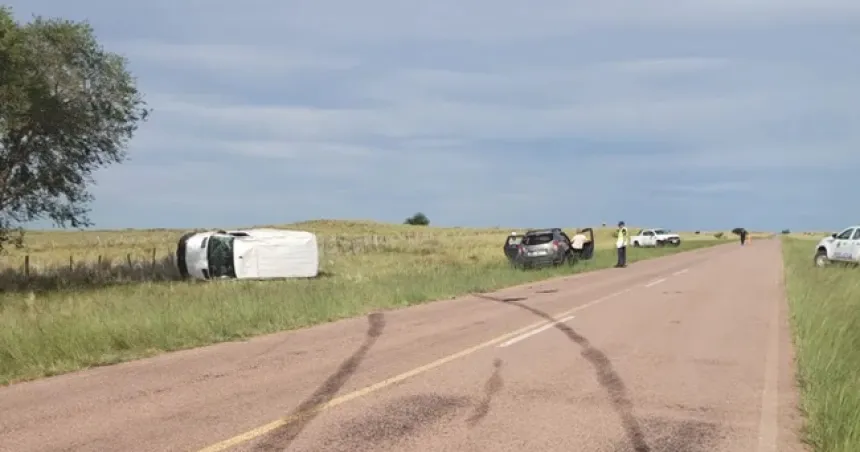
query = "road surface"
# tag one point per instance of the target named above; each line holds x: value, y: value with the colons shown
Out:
x: 686, y: 353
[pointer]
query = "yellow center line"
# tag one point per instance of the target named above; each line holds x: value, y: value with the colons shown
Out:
x: 262, y: 430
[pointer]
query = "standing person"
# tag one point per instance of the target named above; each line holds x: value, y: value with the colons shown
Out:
x: 621, y: 245
x: 743, y: 236
x: 577, y: 243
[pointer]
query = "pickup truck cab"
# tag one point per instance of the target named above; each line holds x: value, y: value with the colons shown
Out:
x: 839, y: 247
x: 655, y: 237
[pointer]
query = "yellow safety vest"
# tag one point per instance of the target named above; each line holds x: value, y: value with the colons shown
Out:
x: 622, y: 236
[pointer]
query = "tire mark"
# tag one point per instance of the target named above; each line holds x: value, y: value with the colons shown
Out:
x: 493, y: 385
x: 606, y: 376
x: 282, y: 437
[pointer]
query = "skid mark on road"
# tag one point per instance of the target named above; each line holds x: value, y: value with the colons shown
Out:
x: 280, y: 438
x: 606, y: 376
x: 493, y: 385
x: 402, y: 417
x: 672, y: 435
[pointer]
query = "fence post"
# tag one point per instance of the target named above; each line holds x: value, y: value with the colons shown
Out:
x: 128, y: 259
x: 71, y: 262
x: 153, y: 258
x: 27, y: 266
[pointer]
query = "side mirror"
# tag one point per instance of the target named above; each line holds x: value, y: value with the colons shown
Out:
x: 833, y: 235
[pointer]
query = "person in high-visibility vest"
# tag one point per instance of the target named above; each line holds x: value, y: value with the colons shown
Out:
x: 621, y: 245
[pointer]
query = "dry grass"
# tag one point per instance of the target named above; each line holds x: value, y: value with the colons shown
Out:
x: 368, y: 266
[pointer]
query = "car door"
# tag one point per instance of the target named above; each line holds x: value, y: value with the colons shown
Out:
x: 512, y: 244
x: 650, y: 238
x: 565, y: 239
x: 855, y: 245
x: 843, y: 245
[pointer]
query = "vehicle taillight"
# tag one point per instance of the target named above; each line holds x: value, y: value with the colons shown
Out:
x: 555, y: 244
x: 521, y: 248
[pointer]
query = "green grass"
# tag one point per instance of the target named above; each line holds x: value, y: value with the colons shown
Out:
x: 825, y: 317
x: 58, y: 332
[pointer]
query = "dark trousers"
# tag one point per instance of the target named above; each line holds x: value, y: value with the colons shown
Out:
x: 622, y: 256
x: 743, y: 238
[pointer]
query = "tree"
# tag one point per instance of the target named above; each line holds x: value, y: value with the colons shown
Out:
x: 67, y: 108
x: 419, y: 219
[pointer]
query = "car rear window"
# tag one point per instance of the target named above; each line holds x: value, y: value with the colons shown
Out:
x: 537, y: 239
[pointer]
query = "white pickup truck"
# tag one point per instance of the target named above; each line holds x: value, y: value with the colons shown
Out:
x: 841, y: 247
x: 655, y: 237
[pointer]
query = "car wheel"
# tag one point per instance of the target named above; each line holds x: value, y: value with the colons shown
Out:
x: 821, y: 259
x: 677, y: 243
x: 635, y: 244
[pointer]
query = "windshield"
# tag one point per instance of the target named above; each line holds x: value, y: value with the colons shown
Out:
x: 660, y: 231
x: 219, y: 253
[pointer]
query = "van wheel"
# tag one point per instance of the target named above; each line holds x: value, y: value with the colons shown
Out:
x: 635, y: 244
x: 821, y: 259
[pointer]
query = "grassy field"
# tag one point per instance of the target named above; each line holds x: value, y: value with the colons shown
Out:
x: 51, y: 332
x: 825, y: 310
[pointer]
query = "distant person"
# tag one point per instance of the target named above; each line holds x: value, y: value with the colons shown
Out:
x: 577, y: 242
x: 743, y: 236
x: 621, y: 245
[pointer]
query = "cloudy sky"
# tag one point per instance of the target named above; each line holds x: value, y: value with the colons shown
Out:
x: 681, y: 114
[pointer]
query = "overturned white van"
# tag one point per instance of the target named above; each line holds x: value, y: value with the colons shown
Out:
x: 248, y: 254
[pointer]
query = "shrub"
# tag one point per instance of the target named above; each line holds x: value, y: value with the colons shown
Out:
x: 419, y: 219
x: 719, y: 235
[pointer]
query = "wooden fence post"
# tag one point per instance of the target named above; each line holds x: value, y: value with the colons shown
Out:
x: 27, y: 266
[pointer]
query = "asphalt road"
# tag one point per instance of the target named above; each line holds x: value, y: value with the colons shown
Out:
x: 686, y: 353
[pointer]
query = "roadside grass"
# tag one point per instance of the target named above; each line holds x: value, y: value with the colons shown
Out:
x: 825, y: 317
x: 56, y: 332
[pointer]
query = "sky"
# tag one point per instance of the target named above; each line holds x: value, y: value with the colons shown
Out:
x: 679, y: 114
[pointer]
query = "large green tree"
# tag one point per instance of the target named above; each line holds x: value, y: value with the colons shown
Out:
x: 67, y: 108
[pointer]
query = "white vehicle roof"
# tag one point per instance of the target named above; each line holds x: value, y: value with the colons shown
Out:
x: 276, y: 253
